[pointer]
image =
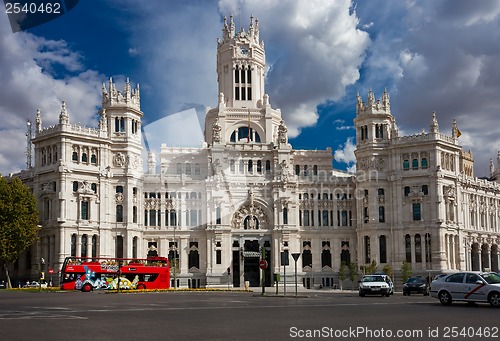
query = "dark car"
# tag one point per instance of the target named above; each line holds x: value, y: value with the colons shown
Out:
x: 417, y: 285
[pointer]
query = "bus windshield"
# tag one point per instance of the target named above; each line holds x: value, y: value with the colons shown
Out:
x: 87, y: 274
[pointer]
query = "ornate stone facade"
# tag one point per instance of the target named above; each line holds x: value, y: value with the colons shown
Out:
x: 246, y: 192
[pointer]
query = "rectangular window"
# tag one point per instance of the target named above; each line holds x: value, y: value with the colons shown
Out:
x: 243, y: 75
x: 152, y: 217
x: 134, y: 214
x: 381, y: 214
x: 416, y: 211
x: 218, y: 256
x: 285, y: 215
x: 236, y: 75
x: 85, y: 210
x: 243, y: 93
x: 249, y: 93
x: 237, y: 93
x: 119, y: 213
x: 249, y: 76
x: 217, y: 215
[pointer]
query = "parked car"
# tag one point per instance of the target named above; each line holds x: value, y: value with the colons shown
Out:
x: 36, y: 284
x: 440, y: 276
x: 469, y: 286
x: 375, y: 285
x: 417, y: 285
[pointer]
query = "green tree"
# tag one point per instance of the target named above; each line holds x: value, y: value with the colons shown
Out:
x: 342, y: 274
x: 387, y: 270
x: 18, y: 221
x: 371, y: 268
x: 406, y: 271
x: 353, y: 274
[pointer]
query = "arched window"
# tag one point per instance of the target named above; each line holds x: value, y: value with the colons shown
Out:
x: 297, y: 170
x: 425, y: 189
x: 418, y: 249
x: 406, y: 165
x: 408, y: 248
x: 424, y: 163
x: 93, y: 159
x: 196, y: 169
x: 414, y: 164
x: 268, y: 167
x: 74, y: 156
x: 259, y: 166
x: 188, y: 168
x: 84, y: 157
x: 315, y: 170
x: 179, y: 168
x: 73, y: 245
x: 84, y: 246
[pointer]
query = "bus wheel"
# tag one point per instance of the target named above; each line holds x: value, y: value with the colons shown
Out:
x: 141, y: 287
x: 87, y: 287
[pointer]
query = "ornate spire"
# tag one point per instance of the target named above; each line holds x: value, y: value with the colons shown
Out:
x: 434, y: 123
x: 371, y: 98
x: 38, y: 120
x: 231, y: 27
x: 63, y: 117
x: 386, y: 101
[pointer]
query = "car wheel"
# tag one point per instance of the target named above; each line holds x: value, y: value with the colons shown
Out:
x: 387, y: 295
x: 141, y: 287
x: 362, y: 294
x: 494, y: 299
x: 444, y: 297
x: 87, y: 287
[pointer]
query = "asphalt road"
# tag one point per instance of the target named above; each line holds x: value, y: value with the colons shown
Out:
x: 239, y: 316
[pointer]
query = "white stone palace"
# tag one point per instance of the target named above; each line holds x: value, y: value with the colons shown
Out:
x: 246, y: 192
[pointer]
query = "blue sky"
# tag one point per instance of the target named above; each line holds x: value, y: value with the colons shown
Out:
x: 437, y: 55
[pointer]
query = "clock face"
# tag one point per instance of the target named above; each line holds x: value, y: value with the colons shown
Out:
x: 243, y: 51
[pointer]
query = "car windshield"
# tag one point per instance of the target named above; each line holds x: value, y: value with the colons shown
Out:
x: 373, y: 279
x: 415, y: 280
x: 491, y: 278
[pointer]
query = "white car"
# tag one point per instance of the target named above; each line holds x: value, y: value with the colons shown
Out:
x: 375, y: 285
x: 470, y: 286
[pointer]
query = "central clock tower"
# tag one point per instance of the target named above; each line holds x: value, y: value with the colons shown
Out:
x: 243, y: 114
x: 240, y: 65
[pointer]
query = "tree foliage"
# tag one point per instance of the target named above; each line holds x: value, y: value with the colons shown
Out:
x: 406, y: 271
x: 18, y: 220
x: 342, y: 273
x: 371, y: 268
x: 353, y: 273
x: 387, y: 270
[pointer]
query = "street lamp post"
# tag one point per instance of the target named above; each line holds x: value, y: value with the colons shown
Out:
x: 40, y: 277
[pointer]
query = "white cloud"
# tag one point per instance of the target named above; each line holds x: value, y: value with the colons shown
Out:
x: 345, y: 153
x: 316, y: 52
x: 133, y: 51
x: 27, y: 84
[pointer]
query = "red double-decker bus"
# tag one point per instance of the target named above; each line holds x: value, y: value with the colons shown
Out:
x: 87, y: 274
